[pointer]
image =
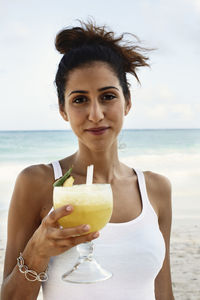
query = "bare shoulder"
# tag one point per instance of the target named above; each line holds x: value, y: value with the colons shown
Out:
x: 33, y: 186
x: 159, y: 191
x: 35, y: 178
x: 36, y: 172
x: 157, y: 182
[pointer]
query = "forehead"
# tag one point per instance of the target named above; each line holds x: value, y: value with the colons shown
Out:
x: 96, y: 74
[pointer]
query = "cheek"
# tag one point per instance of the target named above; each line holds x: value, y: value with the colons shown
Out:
x: 116, y: 111
x: 76, y: 116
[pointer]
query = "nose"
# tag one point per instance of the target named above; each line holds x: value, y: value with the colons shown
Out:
x: 96, y: 113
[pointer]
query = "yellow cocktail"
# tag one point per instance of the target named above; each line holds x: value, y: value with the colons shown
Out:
x: 92, y: 204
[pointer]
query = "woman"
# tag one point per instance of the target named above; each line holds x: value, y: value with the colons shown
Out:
x: 94, y: 97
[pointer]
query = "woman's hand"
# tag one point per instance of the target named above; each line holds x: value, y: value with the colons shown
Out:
x: 51, y: 240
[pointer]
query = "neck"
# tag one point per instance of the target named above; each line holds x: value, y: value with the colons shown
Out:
x: 106, y: 164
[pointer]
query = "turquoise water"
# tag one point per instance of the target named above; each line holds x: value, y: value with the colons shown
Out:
x: 44, y: 146
x: 173, y: 153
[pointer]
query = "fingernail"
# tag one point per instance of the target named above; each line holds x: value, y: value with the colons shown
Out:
x: 86, y: 227
x: 68, y: 208
x: 95, y: 235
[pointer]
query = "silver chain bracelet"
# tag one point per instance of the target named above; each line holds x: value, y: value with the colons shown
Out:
x: 30, y: 275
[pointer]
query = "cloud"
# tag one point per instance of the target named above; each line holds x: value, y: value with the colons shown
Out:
x: 158, y: 112
x: 182, y: 112
x: 165, y: 115
x: 160, y: 92
x: 196, y: 4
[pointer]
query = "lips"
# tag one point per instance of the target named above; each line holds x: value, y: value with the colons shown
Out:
x: 97, y: 130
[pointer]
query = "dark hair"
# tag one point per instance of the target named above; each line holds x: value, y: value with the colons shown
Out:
x: 91, y: 43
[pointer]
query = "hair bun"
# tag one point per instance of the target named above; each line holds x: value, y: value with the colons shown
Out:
x: 69, y: 38
x: 88, y: 33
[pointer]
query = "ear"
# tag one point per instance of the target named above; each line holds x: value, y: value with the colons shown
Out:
x: 128, y: 105
x: 63, y: 113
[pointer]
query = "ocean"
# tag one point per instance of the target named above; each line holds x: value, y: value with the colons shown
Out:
x: 174, y: 153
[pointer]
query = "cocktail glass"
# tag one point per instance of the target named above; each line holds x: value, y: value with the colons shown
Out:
x: 93, y: 205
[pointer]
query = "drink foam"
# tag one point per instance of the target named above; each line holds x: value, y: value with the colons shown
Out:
x: 82, y: 194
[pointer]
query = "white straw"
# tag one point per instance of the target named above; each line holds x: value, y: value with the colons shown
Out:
x: 89, y: 177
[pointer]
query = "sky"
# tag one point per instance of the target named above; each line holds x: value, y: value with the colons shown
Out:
x: 169, y: 93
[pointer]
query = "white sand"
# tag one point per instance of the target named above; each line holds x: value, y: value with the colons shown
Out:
x: 185, y: 256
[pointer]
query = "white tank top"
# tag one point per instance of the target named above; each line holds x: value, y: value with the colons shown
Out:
x: 133, y: 251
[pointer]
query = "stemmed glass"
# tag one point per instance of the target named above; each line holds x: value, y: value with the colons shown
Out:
x: 93, y: 204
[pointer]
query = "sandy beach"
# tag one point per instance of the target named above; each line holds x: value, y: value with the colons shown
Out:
x: 185, y: 256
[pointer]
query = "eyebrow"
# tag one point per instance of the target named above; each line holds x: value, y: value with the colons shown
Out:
x: 99, y: 90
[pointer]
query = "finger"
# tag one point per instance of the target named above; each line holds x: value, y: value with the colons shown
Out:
x: 84, y: 238
x: 73, y: 241
x: 58, y: 213
x: 64, y: 233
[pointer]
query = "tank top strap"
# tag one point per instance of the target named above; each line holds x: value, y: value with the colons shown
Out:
x: 143, y: 191
x: 57, y: 174
x: 57, y: 169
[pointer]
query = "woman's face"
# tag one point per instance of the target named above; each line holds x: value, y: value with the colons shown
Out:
x: 94, y: 99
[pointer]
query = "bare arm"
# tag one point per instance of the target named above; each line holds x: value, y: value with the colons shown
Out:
x: 37, y: 240
x: 161, y: 191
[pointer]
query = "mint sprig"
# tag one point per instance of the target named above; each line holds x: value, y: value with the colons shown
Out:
x: 61, y: 180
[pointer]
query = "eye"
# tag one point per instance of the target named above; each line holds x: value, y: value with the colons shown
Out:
x: 108, y: 96
x: 79, y: 99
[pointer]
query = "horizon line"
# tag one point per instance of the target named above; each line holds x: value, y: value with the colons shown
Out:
x: 16, y: 130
